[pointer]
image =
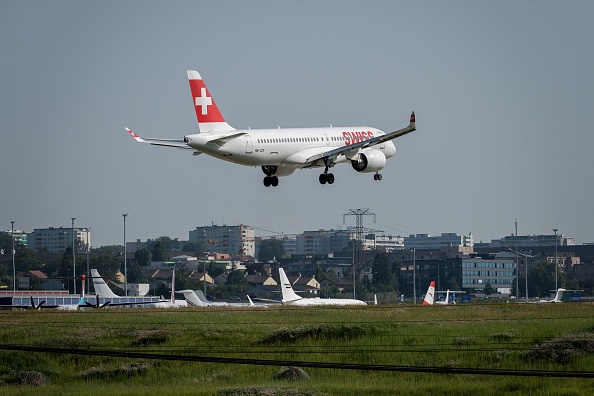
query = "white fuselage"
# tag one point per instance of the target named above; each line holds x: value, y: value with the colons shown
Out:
x: 284, y: 147
x: 324, y: 301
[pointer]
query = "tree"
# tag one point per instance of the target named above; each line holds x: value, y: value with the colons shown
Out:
x: 270, y: 249
x: 196, y: 247
x: 353, y: 245
x: 142, y: 257
x: 236, y: 277
x: 159, y: 251
x: 541, y: 278
x: 454, y: 284
x: 382, y: 274
x: 488, y: 289
x: 109, y: 249
x: 134, y: 273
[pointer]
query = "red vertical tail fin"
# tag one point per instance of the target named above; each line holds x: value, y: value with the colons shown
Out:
x: 208, y: 115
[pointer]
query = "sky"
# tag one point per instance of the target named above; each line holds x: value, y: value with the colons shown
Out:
x: 502, y: 91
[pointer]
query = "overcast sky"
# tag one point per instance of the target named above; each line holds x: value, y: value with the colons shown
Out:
x: 503, y: 93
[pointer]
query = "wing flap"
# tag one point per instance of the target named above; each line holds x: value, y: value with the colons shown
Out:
x: 352, y: 149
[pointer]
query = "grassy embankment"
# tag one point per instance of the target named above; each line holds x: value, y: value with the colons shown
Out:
x: 496, y: 337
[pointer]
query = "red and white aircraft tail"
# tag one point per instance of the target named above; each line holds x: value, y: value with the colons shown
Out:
x: 429, y: 296
x: 208, y: 114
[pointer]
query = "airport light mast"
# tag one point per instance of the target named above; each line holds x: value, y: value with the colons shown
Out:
x: 73, y: 259
x: 125, y: 263
x: 13, y: 266
x: 556, y: 265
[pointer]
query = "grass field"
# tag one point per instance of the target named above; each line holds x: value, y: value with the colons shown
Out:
x: 531, y: 349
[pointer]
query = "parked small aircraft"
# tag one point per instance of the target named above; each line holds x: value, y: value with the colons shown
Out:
x: 289, y: 297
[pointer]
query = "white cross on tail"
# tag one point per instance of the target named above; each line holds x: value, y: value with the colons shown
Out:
x: 203, y: 101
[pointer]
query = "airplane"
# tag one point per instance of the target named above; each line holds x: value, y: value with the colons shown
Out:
x: 198, y: 299
x: 428, y: 300
x: 558, y: 296
x: 102, y: 290
x: 430, y: 296
x: 289, y: 297
x: 279, y: 152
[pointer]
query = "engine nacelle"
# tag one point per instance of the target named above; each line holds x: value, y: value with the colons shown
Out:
x: 369, y: 161
x: 273, y: 170
x: 284, y: 171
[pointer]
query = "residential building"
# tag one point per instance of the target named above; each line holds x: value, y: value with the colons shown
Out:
x: 56, y: 240
x: 388, y: 243
x: 236, y: 240
x: 426, y: 241
x: 18, y: 235
x: 523, y: 241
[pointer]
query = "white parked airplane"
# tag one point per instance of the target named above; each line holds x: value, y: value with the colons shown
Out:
x: 558, y: 296
x: 291, y: 298
x: 198, y: 299
x: 280, y: 151
x: 111, y: 299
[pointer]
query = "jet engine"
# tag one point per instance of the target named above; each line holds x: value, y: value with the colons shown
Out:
x: 273, y: 170
x: 369, y: 161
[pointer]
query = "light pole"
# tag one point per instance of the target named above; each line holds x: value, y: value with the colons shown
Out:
x: 88, y: 251
x: 517, y: 267
x: 414, y: 277
x: 125, y: 262
x: 526, y: 268
x: 555, y: 231
x: 13, y: 266
x: 73, y: 259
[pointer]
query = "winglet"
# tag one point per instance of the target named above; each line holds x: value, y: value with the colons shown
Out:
x: 412, y: 119
x: 135, y: 136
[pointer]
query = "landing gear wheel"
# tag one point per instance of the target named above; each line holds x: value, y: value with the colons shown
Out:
x: 271, y: 181
x: 330, y: 178
x: 323, y: 178
x: 377, y: 176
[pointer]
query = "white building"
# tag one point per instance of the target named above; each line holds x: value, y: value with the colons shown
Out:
x: 388, y: 242
x: 56, y: 240
x: 426, y: 241
x: 231, y: 240
x: 523, y: 241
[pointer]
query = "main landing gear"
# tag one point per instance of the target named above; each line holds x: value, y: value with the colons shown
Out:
x: 326, y: 177
x: 377, y: 177
x: 270, y: 179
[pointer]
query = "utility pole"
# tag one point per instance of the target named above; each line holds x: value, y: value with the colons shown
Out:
x: 73, y: 259
x: 13, y: 266
x: 556, y: 277
x: 125, y: 263
x: 358, y: 253
x: 517, y: 267
x: 415, y: 276
x: 88, y: 251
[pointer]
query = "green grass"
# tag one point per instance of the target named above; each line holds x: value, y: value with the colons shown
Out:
x: 550, y: 337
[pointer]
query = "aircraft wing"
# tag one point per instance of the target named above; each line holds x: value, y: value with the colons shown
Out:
x: 365, y: 143
x: 177, y: 143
